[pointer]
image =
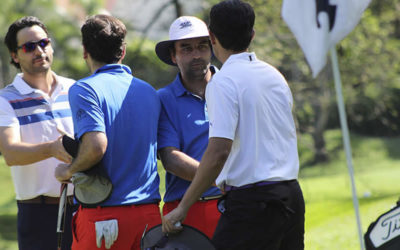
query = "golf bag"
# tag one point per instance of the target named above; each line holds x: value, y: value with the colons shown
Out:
x: 384, y: 233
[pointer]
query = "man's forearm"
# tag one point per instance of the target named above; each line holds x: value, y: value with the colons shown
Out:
x: 91, y: 151
x: 83, y: 162
x: 210, y: 167
x: 17, y: 152
x: 25, y: 153
x: 178, y: 163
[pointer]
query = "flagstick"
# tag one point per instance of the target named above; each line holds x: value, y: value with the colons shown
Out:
x: 346, y: 138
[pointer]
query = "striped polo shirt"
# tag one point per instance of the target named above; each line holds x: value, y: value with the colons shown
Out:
x: 36, y: 116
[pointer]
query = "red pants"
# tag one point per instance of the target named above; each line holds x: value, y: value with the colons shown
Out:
x: 132, y: 220
x: 203, y: 215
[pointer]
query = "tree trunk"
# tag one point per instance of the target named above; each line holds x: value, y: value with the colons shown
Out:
x: 178, y: 8
x: 322, y: 107
x: 5, y: 67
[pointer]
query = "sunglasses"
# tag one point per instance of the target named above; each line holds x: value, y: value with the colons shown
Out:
x: 31, y: 46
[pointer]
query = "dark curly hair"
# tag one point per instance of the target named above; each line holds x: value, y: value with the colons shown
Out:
x: 103, y: 38
x: 11, y: 37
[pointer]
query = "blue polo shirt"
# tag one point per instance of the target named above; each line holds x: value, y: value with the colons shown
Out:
x: 184, y: 125
x: 126, y: 109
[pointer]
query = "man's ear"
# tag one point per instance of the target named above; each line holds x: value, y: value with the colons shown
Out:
x: 172, y: 54
x: 212, y: 37
x: 253, y: 34
x: 123, y: 52
x: 14, y: 57
x: 85, y: 53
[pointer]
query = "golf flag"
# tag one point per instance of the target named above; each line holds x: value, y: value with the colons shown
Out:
x: 320, y: 24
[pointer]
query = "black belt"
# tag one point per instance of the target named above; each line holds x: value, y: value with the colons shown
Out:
x: 228, y: 188
x: 42, y: 199
x: 208, y: 198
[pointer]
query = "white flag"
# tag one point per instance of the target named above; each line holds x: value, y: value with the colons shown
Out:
x: 319, y: 24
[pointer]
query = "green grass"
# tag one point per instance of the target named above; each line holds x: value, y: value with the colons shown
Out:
x: 330, y: 217
x: 8, y: 210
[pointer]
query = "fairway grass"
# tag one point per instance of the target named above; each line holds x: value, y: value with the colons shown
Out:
x: 8, y: 210
x: 330, y: 217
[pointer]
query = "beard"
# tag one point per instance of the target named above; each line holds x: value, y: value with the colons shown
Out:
x: 197, y: 69
x: 40, y: 64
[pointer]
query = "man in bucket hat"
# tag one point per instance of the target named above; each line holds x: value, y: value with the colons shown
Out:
x: 115, y: 119
x: 183, y: 125
x: 252, y: 151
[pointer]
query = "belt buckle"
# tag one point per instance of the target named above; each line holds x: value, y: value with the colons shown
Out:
x: 221, y: 205
x: 209, y: 198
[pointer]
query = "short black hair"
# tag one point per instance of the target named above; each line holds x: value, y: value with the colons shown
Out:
x: 11, y: 37
x: 232, y: 23
x: 103, y: 37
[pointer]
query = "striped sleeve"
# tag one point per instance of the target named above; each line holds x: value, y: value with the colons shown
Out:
x: 7, y: 114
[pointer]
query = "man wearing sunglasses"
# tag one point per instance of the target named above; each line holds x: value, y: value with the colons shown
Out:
x: 32, y: 107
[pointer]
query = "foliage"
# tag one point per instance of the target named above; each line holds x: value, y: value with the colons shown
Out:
x: 63, y: 25
x: 144, y: 63
x: 371, y: 70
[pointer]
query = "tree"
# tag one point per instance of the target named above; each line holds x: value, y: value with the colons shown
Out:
x: 370, y: 66
x: 9, y: 11
x: 64, y: 29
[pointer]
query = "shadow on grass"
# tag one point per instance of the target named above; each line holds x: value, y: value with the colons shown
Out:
x: 347, y: 198
x: 8, y: 227
x: 8, y: 206
x: 392, y: 147
x: 333, y: 154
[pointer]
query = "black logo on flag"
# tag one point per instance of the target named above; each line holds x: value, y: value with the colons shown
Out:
x: 324, y: 6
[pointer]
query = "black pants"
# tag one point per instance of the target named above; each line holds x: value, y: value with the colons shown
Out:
x: 267, y: 217
x: 37, y: 226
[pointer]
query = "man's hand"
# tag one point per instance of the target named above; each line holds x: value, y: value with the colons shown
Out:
x: 58, y: 151
x: 62, y: 173
x: 171, y: 223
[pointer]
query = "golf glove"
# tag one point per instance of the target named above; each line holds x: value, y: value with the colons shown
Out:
x: 107, y: 229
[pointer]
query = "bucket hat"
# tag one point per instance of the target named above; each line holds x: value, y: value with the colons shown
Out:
x: 184, y: 27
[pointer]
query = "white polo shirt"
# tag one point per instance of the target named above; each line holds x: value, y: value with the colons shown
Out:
x: 36, y: 115
x: 250, y: 103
